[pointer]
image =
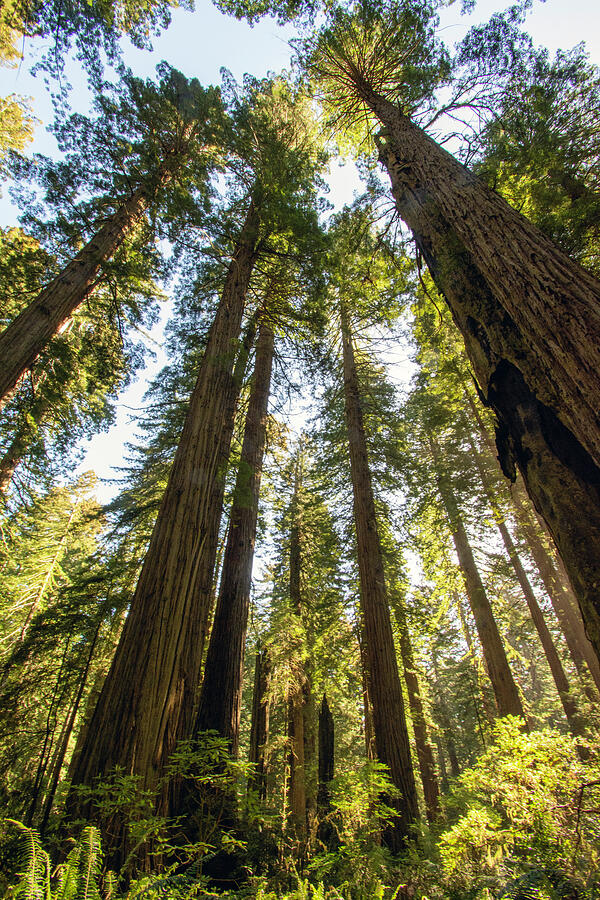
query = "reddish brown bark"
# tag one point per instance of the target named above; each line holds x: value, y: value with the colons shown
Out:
x: 506, y: 693
x: 24, y: 339
x: 558, y: 673
x: 431, y: 790
x: 147, y: 701
x: 530, y: 318
x: 560, y: 594
x: 389, y: 720
x: 221, y: 692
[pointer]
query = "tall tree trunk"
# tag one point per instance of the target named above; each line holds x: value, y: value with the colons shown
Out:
x: 444, y: 720
x: 66, y: 734
x: 556, y: 667
x: 431, y: 790
x: 259, y: 724
x: 530, y: 318
x: 221, y: 692
x: 564, y: 602
x: 147, y: 702
x: 24, y: 339
x: 300, y: 688
x: 389, y: 720
x: 507, y: 696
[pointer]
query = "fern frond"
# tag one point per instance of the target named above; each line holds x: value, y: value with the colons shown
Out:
x: 34, y: 877
x: 90, y: 864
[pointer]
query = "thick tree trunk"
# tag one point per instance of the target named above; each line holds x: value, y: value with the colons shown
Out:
x: 560, y: 594
x: 507, y: 696
x: 558, y: 673
x: 530, y: 318
x: 35, y: 326
x: 221, y: 692
x: 148, y: 700
x: 389, y: 720
x: 259, y: 724
x: 431, y: 790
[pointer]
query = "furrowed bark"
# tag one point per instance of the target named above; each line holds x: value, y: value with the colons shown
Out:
x: 389, y: 720
x: 221, y: 692
x: 24, y: 339
x: 530, y: 318
x: 259, y: 725
x: 147, y: 702
x: 506, y: 693
x: 431, y: 790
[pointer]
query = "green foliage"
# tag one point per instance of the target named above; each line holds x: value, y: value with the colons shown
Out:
x: 527, y: 809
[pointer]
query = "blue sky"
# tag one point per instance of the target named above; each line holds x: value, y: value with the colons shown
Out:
x: 199, y: 43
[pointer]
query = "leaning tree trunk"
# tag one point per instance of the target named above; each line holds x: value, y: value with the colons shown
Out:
x: 389, y: 720
x: 431, y: 790
x: 147, y: 702
x: 556, y: 667
x: 24, y: 339
x: 221, y: 692
x: 507, y: 696
x: 562, y: 599
x: 530, y: 318
x: 259, y: 724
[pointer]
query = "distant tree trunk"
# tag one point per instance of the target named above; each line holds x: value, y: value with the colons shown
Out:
x: 147, y: 701
x: 300, y: 689
x: 310, y: 757
x: 530, y: 318
x: 259, y: 724
x: 507, y: 696
x: 564, y: 602
x: 444, y: 720
x: 482, y: 695
x: 558, y: 673
x: 431, y: 790
x: 221, y: 691
x: 24, y: 339
x: 389, y: 720
x: 67, y: 731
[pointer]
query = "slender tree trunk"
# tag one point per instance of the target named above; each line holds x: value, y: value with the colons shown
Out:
x: 530, y: 318
x: 482, y: 695
x: 507, y: 696
x: 24, y: 339
x: 431, y: 790
x: 221, y: 692
x: 389, y: 720
x: 66, y: 734
x: 259, y: 725
x: 147, y: 702
x: 444, y: 720
x: 564, y: 602
x: 299, y: 689
x: 558, y: 673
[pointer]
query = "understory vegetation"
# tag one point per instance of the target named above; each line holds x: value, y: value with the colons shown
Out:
x: 333, y: 630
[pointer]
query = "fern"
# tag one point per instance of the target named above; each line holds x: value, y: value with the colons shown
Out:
x: 90, y: 865
x: 34, y: 879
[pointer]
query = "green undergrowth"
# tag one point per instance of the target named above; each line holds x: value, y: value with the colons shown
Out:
x: 523, y: 822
